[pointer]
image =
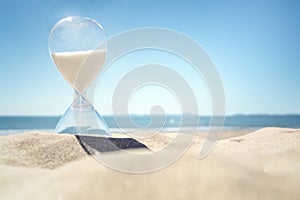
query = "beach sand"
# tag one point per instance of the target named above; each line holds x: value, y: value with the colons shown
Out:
x: 263, y: 164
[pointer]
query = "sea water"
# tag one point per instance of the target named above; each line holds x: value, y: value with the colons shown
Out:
x: 15, y: 124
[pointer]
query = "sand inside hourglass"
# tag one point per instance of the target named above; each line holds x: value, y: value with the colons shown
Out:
x: 80, y: 68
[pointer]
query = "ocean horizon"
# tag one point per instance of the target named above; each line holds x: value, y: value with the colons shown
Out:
x: 18, y: 124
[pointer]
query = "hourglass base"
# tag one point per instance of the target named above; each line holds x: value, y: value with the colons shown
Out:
x: 82, y: 121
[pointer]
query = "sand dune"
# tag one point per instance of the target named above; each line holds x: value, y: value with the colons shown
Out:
x: 264, y: 164
x: 45, y: 150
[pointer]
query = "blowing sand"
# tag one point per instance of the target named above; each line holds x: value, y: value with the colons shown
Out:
x: 263, y: 164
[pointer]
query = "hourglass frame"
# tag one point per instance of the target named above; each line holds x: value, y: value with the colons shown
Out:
x: 78, y: 48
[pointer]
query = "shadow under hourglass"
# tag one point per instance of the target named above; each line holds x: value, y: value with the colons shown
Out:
x: 92, y: 144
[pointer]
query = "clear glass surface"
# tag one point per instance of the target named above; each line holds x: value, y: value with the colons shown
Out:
x: 78, y: 48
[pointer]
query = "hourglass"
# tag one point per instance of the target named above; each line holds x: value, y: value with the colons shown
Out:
x: 78, y: 47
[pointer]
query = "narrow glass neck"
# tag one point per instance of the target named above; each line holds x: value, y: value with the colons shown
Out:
x: 80, y: 100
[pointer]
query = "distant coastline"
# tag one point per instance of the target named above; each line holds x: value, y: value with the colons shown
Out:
x: 143, y: 121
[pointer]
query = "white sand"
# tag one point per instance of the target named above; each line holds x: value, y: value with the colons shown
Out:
x: 264, y: 164
x: 80, y: 68
x: 45, y: 150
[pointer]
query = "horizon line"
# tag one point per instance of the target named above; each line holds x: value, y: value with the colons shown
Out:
x: 171, y: 114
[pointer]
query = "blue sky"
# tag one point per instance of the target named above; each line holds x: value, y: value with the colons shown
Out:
x: 254, y: 44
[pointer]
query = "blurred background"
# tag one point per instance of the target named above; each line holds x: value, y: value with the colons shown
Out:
x: 254, y: 44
